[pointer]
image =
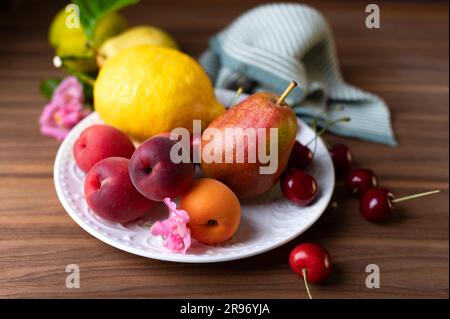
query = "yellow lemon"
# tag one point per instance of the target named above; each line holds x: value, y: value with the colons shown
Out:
x: 146, y: 90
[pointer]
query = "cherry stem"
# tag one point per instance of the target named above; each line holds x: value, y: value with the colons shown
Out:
x: 405, y: 198
x: 314, y: 126
x: 306, y: 283
x: 286, y: 92
x: 338, y: 107
x: 334, y: 206
x: 327, y: 126
x: 239, y: 91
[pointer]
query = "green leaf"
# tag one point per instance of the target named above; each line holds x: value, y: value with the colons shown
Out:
x: 47, y: 87
x: 91, y: 12
x: 83, y: 77
x: 88, y: 92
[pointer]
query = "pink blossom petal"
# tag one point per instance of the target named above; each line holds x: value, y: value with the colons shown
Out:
x: 159, y: 229
x: 163, y: 228
x: 69, y: 89
x: 186, y: 241
x: 65, y: 109
x: 176, y: 234
x: 70, y: 119
x: 47, y: 113
x: 174, y: 243
x: 83, y: 113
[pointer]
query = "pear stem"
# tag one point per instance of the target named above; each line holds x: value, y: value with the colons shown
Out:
x: 326, y: 127
x: 239, y: 91
x: 405, y: 198
x: 306, y: 283
x: 286, y: 92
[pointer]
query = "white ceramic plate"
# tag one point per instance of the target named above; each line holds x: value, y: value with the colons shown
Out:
x: 266, y: 223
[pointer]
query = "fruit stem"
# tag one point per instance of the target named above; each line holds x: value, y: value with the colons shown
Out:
x: 85, y: 78
x: 58, y: 62
x: 286, y: 92
x: 306, y: 283
x: 402, y: 199
x: 334, y: 206
x: 314, y: 127
x: 239, y: 91
x: 326, y: 127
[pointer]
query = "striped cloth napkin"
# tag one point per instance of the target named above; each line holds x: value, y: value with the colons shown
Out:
x: 273, y: 44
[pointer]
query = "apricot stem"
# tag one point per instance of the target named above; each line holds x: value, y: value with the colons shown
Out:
x: 401, y: 199
x: 306, y: 283
x: 286, y: 92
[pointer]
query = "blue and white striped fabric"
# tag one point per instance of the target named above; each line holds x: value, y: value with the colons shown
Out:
x: 273, y: 44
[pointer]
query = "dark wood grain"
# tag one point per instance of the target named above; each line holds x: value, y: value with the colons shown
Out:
x: 406, y: 62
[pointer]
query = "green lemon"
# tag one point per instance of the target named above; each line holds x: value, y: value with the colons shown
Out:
x: 72, y: 42
x: 132, y: 37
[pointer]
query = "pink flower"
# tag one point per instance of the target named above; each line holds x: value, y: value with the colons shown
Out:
x: 65, y: 109
x: 176, y: 235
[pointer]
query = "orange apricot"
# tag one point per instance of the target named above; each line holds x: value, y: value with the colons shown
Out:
x: 214, y: 210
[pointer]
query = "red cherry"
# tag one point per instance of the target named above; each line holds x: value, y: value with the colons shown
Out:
x: 312, y: 262
x: 301, y: 156
x: 299, y: 187
x: 360, y: 180
x: 342, y: 158
x: 377, y: 204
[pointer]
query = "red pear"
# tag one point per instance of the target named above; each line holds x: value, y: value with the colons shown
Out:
x: 259, y: 111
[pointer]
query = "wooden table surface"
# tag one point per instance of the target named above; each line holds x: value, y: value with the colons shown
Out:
x: 405, y: 62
